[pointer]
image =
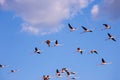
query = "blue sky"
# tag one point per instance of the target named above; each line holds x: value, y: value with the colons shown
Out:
x: 26, y: 24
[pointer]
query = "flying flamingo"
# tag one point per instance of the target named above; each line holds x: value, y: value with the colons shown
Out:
x: 71, y: 27
x: 63, y: 70
x: 58, y: 74
x: 111, y: 37
x: 14, y: 70
x: 86, y: 29
x: 94, y: 51
x: 104, y: 62
x: 106, y: 26
x: 48, y: 42
x: 3, y: 66
x: 57, y: 44
x: 46, y: 77
x: 37, y: 50
x: 79, y: 50
x: 68, y: 73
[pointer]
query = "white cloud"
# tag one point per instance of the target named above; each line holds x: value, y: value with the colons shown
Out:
x: 45, y: 15
x: 95, y: 10
x: 2, y: 2
x: 29, y: 28
x: 109, y: 9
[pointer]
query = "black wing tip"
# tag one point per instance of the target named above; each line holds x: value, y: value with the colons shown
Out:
x: 114, y: 40
x: 69, y: 24
x: 105, y: 24
x: 82, y: 26
x: 102, y: 58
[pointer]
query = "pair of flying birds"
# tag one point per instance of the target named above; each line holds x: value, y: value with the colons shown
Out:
x: 11, y: 71
x: 92, y: 51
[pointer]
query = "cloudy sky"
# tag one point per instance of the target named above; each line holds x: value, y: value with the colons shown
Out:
x: 26, y: 24
x: 47, y: 16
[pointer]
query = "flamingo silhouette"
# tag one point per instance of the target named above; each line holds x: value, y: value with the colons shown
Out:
x: 111, y: 37
x: 57, y: 44
x: 80, y: 50
x: 58, y: 74
x: 38, y: 51
x: 94, y: 51
x: 106, y: 26
x: 104, y: 62
x: 71, y: 28
x: 3, y: 66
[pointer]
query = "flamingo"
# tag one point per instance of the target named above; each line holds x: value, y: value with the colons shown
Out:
x: 46, y: 77
x: 48, y: 42
x: 3, y: 66
x: 94, y: 51
x: 68, y: 73
x: 86, y: 30
x: 71, y: 28
x: 111, y: 37
x: 37, y: 50
x: 57, y: 44
x: 79, y: 50
x: 106, y: 26
x: 104, y: 62
x: 14, y: 70
x: 63, y: 70
x: 58, y: 73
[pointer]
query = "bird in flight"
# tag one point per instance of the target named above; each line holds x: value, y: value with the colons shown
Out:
x: 63, y: 70
x: 111, y: 37
x: 79, y: 50
x: 94, y: 51
x: 86, y: 29
x: 104, y: 62
x: 58, y: 74
x: 37, y: 50
x: 48, y: 42
x: 69, y: 73
x: 106, y: 26
x: 57, y: 44
x: 14, y: 70
x: 3, y: 66
x: 71, y: 27
x: 46, y: 77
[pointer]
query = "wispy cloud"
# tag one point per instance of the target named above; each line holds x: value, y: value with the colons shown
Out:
x: 108, y: 9
x: 95, y: 11
x: 44, y: 15
x: 2, y: 2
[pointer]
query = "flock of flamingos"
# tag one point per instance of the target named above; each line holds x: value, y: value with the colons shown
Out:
x: 79, y: 50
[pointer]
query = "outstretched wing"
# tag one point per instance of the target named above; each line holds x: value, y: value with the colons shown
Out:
x: 36, y: 49
x: 70, y: 26
x: 109, y: 35
x: 103, y: 61
x: 56, y: 42
x: 84, y: 28
x: 106, y: 25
